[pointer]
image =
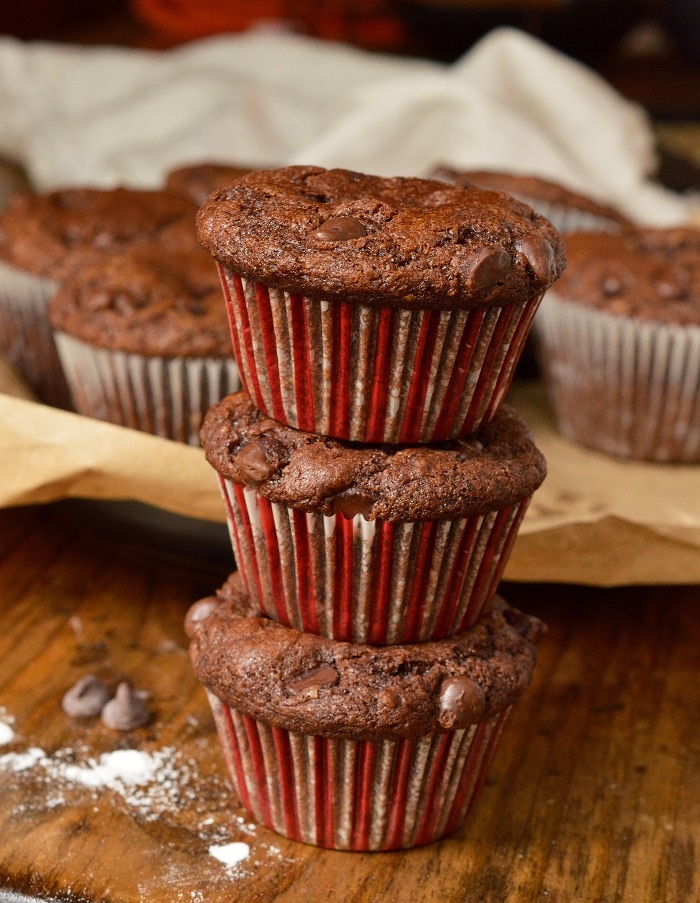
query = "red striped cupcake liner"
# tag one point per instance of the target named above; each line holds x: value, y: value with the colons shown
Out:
x: 368, y: 581
x: 356, y: 794
x: 366, y: 374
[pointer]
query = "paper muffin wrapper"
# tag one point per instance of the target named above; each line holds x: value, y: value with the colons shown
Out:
x: 625, y: 387
x: 26, y: 336
x: 571, y: 219
x: 355, y: 794
x: 368, y: 581
x: 383, y: 375
x: 161, y: 395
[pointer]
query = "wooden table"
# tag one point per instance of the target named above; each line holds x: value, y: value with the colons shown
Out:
x: 594, y: 794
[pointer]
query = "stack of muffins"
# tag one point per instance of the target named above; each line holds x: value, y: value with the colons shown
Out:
x: 360, y: 664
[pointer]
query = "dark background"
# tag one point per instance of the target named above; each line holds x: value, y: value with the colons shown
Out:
x: 648, y: 49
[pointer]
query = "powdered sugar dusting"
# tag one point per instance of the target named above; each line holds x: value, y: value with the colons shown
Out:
x: 230, y: 853
x: 119, y: 769
x: 152, y: 784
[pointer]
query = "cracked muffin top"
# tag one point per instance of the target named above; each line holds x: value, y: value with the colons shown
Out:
x: 533, y: 189
x: 51, y: 234
x: 648, y: 274
x: 405, y: 242
x: 498, y: 466
x: 314, y: 685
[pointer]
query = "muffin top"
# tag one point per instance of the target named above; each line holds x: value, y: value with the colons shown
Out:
x: 648, y: 274
x: 196, y: 181
x: 313, y: 685
x: 498, y: 466
x: 146, y: 301
x: 415, y: 243
x: 531, y: 189
x: 50, y: 234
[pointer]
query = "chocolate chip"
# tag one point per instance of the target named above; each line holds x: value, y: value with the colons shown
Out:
x: 468, y: 448
x: 488, y: 266
x: 310, y: 683
x: 253, y: 465
x: 612, y: 285
x: 440, y: 197
x: 462, y: 702
x: 539, y: 254
x: 126, y: 711
x: 199, y: 612
x: 125, y: 303
x: 388, y: 699
x: 194, y: 307
x: 674, y: 286
x: 341, y: 228
x: 352, y: 503
x: 86, y: 699
x: 103, y: 240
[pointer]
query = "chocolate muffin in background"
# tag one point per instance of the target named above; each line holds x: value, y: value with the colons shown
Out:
x: 44, y: 237
x: 372, y: 309
x: 143, y: 338
x: 356, y: 747
x: 619, y: 344
x: 567, y: 210
x: 197, y: 181
x: 370, y: 544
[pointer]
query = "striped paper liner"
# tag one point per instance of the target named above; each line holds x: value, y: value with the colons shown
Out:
x: 26, y: 336
x: 571, y: 219
x: 356, y: 794
x: 368, y: 581
x: 383, y: 375
x: 626, y: 387
x: 164, y: 396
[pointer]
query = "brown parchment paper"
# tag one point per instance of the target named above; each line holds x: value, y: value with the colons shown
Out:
x: 595, y: 520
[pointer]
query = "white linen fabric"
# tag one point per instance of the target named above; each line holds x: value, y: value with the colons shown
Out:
x: 105, y: 115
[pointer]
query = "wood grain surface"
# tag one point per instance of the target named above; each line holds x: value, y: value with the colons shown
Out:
x: 594, y: 794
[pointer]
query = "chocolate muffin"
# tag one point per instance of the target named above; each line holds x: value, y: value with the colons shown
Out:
x: 350, y: 746
x: 43, y: 238
x: 197, y: 181
x: 567, y: 210
x: 377, y: 544
x: 619, y: 344
x: 143, y: 339
x: 373, y: 309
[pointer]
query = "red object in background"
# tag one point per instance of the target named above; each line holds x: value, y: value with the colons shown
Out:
x: 366, y: 23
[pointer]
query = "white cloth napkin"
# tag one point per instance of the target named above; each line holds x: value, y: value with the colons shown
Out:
x: 107, y: 116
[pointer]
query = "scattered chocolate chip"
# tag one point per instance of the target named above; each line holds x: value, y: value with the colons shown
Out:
x: 126, y: 711
x: 86, y: 698
x: 539, y: 254
x: 341, y: 228
x: 488, y: 266
x: 199, y: 612
x: 253, y: 465
x: 310, y: 683
x: 462, y: 702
